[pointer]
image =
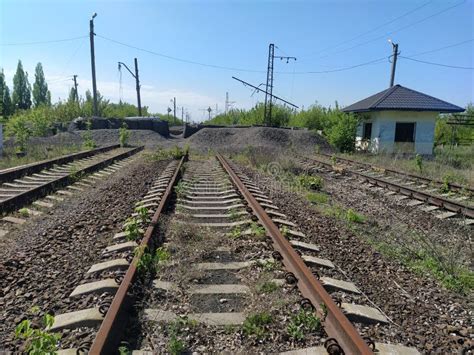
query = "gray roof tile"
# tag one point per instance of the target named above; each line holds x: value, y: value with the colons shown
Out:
x: 401, y: 98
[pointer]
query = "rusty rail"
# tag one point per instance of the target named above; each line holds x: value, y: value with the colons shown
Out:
x: 449, y: 205
x: 108, y: 336
x: 335, y: 323
x: 451, y: 185
x: 17, y: 172
x: 38, y: 191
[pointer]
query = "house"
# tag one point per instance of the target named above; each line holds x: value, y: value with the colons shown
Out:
x: 398, y: 120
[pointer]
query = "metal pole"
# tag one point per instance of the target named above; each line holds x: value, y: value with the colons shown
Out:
x: 76, y: 95
x: 394, y: 63
x: 174, y: 112
x: 94, y: 85
x: 267, y: 116
x: 182, y: 114
x: 137, y: 80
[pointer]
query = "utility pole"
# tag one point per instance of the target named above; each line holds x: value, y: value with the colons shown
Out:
x: 182, y: 113
x: 94, y: 84
x: 269, y: 87
x: 76, y: 95
x: 174, y: 104
x: 394, y: 62
x: 137, y: 83
x: 169, y: 110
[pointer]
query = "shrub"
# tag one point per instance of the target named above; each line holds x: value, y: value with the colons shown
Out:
x: 124, y: 135
x: 343, y: 133
x: 255, y: 325
x: 38, y: 341
x: 310, y: 182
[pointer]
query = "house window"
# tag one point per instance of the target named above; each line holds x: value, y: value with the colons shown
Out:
x: 404, y: 132
x: 367, y: 131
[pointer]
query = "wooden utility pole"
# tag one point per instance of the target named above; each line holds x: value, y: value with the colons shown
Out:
x: 174, y: 112
x: 76, y: 95
x: 94, y: 84
x: 394, y: 62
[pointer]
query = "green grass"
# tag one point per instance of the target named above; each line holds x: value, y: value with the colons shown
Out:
x: 317, y: 197
x: 267, y: 287
x: 35, y: 153
x: 457, y: 163
x: 303, y: 323
x: 255, y: 325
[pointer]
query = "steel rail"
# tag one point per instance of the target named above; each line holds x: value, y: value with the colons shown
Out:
x: 22, y: 170
x: 108, y: 336
x: 449, y: 205
x: 409, y: 175
x: 335, y: 323
x: 38, y: 191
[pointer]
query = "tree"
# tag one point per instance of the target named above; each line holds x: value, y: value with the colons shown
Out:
x: 41, y: 94
x: 21, y: 89
x: 5, y: 100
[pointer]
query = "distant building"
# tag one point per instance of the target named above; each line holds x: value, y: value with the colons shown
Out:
x: 399, y: 120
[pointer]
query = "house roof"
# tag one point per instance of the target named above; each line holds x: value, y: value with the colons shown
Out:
x: 401, y: 98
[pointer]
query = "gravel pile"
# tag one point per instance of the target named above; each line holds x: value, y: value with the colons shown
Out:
x: 48, y: 256
x: 234, y: 139
x: 424, y: 315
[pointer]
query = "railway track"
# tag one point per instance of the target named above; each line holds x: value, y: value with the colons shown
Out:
x: 212, y: 246
x: 416, y: 190
x: 22, y: 185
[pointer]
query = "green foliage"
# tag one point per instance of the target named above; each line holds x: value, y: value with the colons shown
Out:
x: 315, y: 197
x: 342, y: 133
x: 310, y: 182
x: 143, y: 214
x: 172, y: 153
x: 236, y: 232
x: 267, y: 265
x: 267, y: 287
x: 452, y: 135
x: 88, y: 142
x: 5, y: 100
x: 353, y: 216
x: 21, y: 96
x: 38, y: 341
x: 41, y: 94
x: 256, y: 325
x: 124, y: 135
x: 419, y: 162
x: 123, y: 350
x: 304, y: 322
x: 150, y: 262
x: 132, y: 229
x: 176, y: 346
x: 24, y: 212
x: 257, y: 230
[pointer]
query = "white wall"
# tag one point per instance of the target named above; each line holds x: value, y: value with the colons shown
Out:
x: 383, y: 131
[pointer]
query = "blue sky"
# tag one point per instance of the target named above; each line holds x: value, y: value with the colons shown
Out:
x: 323, y: 35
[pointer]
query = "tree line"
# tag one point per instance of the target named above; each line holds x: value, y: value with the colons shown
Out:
x: 23, y: 97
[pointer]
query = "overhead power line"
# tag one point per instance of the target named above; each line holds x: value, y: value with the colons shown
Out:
x: 373, y: 29
x: 442, y: 48
x: 396, y: 30
x: 438, y: 64
x: 44, y: 42
x: 180, y: 59
x: 379, y: 60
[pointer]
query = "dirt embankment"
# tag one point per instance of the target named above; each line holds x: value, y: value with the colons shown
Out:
x: 235, y: 139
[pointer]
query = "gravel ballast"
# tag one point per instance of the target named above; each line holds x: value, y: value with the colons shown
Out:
x: 424, y: 315
x: 45, y: 259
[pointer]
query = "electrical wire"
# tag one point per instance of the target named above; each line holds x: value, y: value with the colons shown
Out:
x: 438, y: 64
x: 180, y: 59
x: 394, y: 31
x: 340, y: 69
x: 371, y: 30
x: 442, y: 48
x: 44, y: 42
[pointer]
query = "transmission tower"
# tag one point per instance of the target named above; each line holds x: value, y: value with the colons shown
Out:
x: 269, y: 87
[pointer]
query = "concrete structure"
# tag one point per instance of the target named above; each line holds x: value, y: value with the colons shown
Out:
x: 398, y: 120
